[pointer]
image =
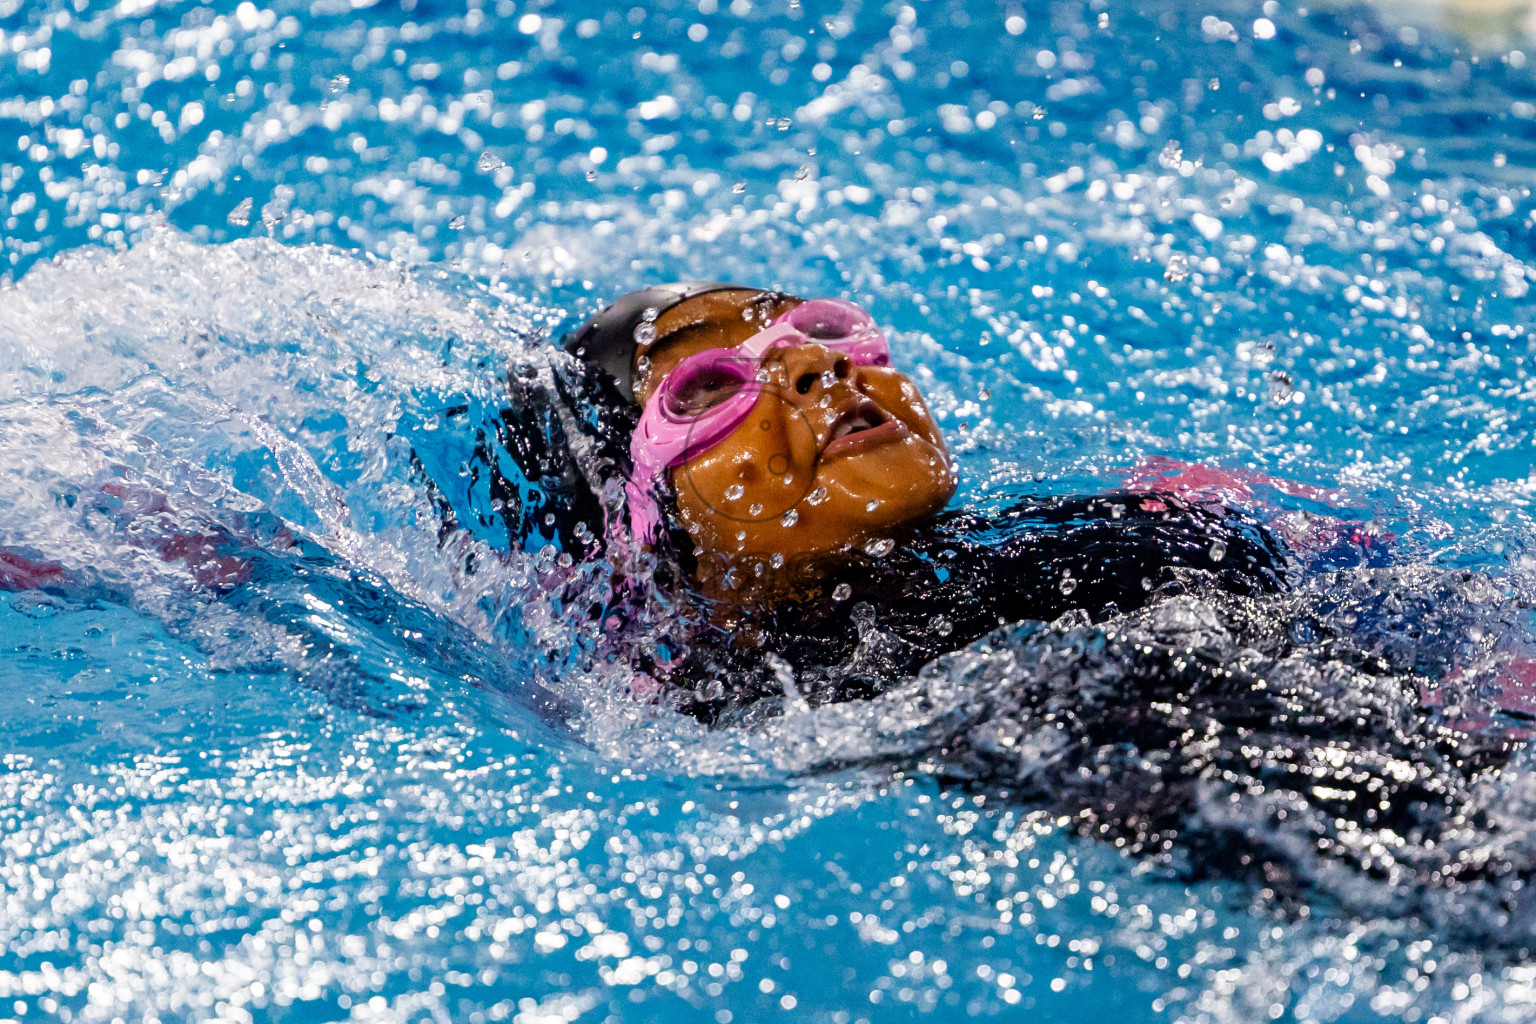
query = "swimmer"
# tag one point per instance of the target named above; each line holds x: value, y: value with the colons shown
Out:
x: 800, y: 477
x: 802, y: 490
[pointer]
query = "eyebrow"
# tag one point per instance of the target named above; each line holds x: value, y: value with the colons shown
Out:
x: 674, y: 338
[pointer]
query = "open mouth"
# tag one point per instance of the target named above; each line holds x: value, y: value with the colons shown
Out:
x: 861, y: 427
x: 864, y: 416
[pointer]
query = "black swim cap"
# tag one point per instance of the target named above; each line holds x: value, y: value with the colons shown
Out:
x: 607, y: 340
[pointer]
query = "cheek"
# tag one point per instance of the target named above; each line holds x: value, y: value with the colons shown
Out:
x: 896, y: 393
x: 753, y: 476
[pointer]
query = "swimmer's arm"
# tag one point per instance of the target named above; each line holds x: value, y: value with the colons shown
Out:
x: 18, y: 573
x: 1303, y: 532
x: 213, y: 554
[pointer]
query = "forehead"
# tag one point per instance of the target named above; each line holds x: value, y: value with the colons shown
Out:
x: 724, y: 319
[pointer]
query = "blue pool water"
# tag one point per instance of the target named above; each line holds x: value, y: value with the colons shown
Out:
x: 253, y: 253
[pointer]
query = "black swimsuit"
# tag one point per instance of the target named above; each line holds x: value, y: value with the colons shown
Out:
x: 879, y: 617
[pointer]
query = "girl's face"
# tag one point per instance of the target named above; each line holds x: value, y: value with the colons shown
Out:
x: 833, y: 454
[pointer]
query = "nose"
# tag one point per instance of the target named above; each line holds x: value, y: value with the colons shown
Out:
x: 813, y: 369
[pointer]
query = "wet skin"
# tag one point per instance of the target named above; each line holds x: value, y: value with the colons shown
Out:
x: 842, y: 453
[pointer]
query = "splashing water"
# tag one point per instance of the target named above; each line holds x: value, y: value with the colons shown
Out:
x: 295, y: 730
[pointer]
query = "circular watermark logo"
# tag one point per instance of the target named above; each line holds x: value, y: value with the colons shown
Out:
x: 762, y: 500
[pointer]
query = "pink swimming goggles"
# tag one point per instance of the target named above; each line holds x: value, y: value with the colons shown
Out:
x: 710, y: 393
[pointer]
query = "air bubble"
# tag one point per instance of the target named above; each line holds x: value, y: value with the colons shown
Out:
x: 489, y: 162
x: 1177, y: 268
x: 645, y: 333
x: 1067, y: 584
x: 1171, y: 156
x: 842, y: 592
x: 789, y: 518
x: 817, y: 496
x: 784, y: 124
x: 941, y: 625
x: 734, y: 492
x: 339, y: 84
x: 776, y: 560
x: 1218, y: 551
x: 457, y: 224
x: 755, y: 509
x: 874, y: 504
x: 740, y: 186
x: 879, y: 547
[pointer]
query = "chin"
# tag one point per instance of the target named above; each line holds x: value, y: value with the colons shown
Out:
x: 906, y: 488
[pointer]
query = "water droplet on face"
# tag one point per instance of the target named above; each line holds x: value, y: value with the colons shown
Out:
x: 740, y: 186
x: 879, y: 547
x: 1067, y: 585
x: 842, y: 592
x: 789, y: 518
x: 1171, y: 156
x: 735, y: 491
x: 817, y: 496
x: 1218, y: 551
x: 1177, y: 268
